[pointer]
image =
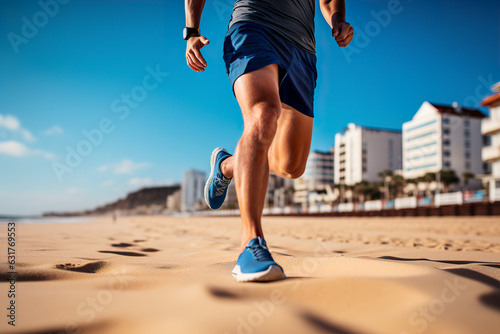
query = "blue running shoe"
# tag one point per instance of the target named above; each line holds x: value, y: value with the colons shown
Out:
x: 217, y: 183
x: 255, y: 264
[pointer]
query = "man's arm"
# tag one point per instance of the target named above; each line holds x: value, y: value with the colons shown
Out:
x: 195, y: 60
x: 334, y: 13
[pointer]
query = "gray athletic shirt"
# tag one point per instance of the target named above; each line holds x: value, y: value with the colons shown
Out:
x: 291, y: 19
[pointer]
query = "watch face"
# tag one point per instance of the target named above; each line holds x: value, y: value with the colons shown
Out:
x: 188, y: 32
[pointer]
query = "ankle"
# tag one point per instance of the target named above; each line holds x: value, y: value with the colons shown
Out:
x: 246, y: 237
x: 226, y: 168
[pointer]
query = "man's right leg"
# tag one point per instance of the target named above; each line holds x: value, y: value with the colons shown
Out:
x: 257, y: 93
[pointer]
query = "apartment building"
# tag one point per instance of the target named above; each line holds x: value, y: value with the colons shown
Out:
x: 318, y: 173
x: 441, y: 137
x: 361, y: 153
x: 491, y: 153
x: 193, y: 183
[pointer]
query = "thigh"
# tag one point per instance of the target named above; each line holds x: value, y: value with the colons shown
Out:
x: 292, y: 142
x: 258, y: 91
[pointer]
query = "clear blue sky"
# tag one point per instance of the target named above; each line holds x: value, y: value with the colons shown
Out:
x: 66, y: 75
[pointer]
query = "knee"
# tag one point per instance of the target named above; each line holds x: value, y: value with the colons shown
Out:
x: 290, y: 169
x: 261, y: 123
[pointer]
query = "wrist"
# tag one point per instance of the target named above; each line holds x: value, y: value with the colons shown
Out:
x: 187, y: 33
x: 338, y: 18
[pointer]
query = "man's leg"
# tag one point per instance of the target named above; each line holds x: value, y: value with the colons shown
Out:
x: 290, y: 148
x: 276, y: 139
x: 257, y: 93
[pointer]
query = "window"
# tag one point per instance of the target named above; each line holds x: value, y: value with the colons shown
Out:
x: 446, y: 121
x: 447, y: 164
x: 486, y: 169
x: 467, y: 165
x: 446, y: 154
x: 466, y: 122
x: 467, y: 144
x: 467, y: 134
x: 446, y: 132
x: 467, y: 155
x: 446, y: 142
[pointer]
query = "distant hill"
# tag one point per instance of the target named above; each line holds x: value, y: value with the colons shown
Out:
x: 135, y: 202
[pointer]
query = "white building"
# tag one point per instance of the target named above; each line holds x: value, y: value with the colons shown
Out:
x: 491, y: 127
x: 193, y: 182
x: 361, y: 153
x: 318, y: 173
x: 443, y: 137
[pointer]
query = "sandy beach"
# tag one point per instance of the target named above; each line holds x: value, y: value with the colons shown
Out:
x: 173, y: 275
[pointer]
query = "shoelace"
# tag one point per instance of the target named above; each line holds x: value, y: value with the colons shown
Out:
x: 260, y: 253
x: 221, y: 185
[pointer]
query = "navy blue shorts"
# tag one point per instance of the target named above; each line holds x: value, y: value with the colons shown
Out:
x: 250, y: 46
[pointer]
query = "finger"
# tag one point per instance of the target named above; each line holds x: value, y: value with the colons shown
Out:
x: 349, y: 36
x: 346, y: 41
x: 191, y: 64
x: 195, y: 60
x: 204, y: 40
x: 335, y: 31
x: 344, y: 33
x: 345, y: 30
x: 200, y: 58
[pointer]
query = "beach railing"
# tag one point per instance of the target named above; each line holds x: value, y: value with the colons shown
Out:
x: 455, y: 198
x: 346, y: 207
x: 405, y: 203
x: 373, y: 205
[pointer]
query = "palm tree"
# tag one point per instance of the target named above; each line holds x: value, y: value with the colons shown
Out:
x: 386, y: 176
x: 399, y: 183
x: 289, y: 191
x: 427, y: 179
x: 359, y: 190
x: 448, y: 177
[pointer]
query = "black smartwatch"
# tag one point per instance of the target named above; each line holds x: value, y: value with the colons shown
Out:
x: 190, y: 32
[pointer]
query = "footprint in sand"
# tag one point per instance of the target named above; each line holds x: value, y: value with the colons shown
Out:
x: 123, y: 253
x: 90, y: 268
x: 122, y: 244
x: 150, y: 250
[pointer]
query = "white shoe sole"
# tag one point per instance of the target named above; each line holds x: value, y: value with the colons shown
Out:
x: 213, y: 159
x: 273, y: 273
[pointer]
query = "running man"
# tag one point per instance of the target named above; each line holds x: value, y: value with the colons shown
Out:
x: 270, y: 57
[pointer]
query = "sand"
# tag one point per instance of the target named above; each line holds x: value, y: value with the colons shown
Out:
x: 172, y: 275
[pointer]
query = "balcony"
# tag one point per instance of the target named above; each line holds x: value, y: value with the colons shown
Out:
x: 491, y: 153
x: 490, y: 126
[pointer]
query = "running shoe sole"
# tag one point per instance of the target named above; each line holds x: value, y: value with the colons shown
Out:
x: 213, y: 160
x: 273, y: 273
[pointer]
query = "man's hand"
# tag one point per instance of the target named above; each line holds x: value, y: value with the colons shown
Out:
x: 193, y: 55
x: 343, y: 33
